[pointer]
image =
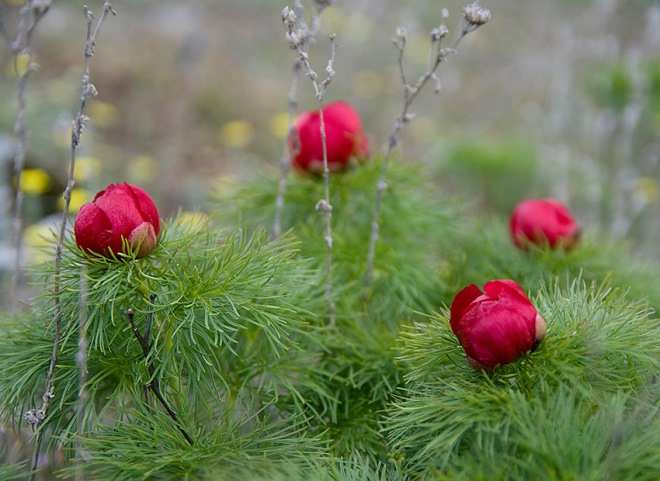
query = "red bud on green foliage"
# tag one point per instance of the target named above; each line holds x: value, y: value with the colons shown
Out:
x: 345, y: 139
x: 543, y: 222
x: 496, y: 326
x: 120, y: 211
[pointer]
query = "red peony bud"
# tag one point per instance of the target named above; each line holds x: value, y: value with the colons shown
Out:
x: 344, y: 139
x: 497, y: 326
x: 544, y: 222
x: 120, y: 211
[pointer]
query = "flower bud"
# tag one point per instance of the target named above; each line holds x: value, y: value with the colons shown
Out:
x: 496, y: 326
x: 345, y: 139
x: 120, y: 213
x: 543, y: 222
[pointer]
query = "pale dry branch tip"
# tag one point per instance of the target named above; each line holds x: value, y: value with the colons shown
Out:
x: 299, y: 36
x: 87, y: 89
x: 474, y: 16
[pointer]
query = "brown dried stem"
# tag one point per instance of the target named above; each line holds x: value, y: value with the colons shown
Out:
x: 153, y: 384
x: 37, y: 416
x: 299, y: 36
x: 290, y: 144
x: 30, y: 15
x: 289, y: 149
x: 474, y: 16
x: 81, y: 364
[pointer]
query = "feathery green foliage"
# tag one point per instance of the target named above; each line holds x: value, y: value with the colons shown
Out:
x: 147, y: 447
x: 415, y: 227
x: 240, y: 350
x: 566, y: 411
x: 9, y: 472
x: 485, y: 251
x: 357, y: 368
x: 227, y: 315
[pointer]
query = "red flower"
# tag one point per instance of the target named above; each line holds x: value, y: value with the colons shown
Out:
x: 344, y: 139
x: 543, y: 222
x: 120, y: 211
x: 497, y: 326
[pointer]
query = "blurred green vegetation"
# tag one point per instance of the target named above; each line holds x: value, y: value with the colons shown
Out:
x: 486, y: 170
x: 175, y: 78
x: 549, y: 98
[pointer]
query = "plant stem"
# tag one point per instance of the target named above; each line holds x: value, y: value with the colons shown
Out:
x: 410, y: 93
x: 289, y: 152
x: 145, y: 344
x: 291, y: 142
x: 35, y: 416
x: 21, y: 46
x: 299, y: 36
x: 81, y: 362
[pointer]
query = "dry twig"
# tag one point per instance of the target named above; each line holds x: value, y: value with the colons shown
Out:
x: 30, y: 14
x: 299, y: 35
x: 35, y: 416
x: 154, y: 385
x: 473, y: 16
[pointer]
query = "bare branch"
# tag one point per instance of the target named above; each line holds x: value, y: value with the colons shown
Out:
x: 290, y: 149
x: 474, y: 16
x: 153, y: 384
x: 36, y: 417
x: 21, y: 47
x: 299, y: 36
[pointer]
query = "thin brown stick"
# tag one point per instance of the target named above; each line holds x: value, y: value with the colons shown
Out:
x: 289, y: 148
x: 29, y: 17
x: 290, y: 144
x: 37, y: 416
x: 473, y: 16
x: 299, y: 36
x: 153, y: 384
x: 81, y: 363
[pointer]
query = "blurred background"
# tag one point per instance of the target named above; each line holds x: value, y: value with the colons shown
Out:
x: 554, y: 99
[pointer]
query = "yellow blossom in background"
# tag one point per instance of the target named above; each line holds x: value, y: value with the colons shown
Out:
x: 38, y: 242
x: 62, y: 137
x: 236, y: 133
x: 279, y: 124
x: 16, y: 3
x: 102, y: 114
x: 332, y: 19
x: 354, y: 27
x: 188, y: 221
x: 225, y: 184
x: 79, y: 197
x: 367, y: 84
x: 647, y: 190
x: 357, y: 27
x: 19, y: 68
x: 35, y: 181
x: 417, y: 49
x: 142, y: 169
x: 87, y: 169
x: 424, y: 128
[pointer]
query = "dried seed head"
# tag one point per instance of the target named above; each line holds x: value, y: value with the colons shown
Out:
x: 439, y: 33
x: 400, y: 37
x: 323, y: 208
x: 289, y: 17
x: 438, y: 83
x: 474, y: 16
x: 294, y: 38
x: 34, y: 416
